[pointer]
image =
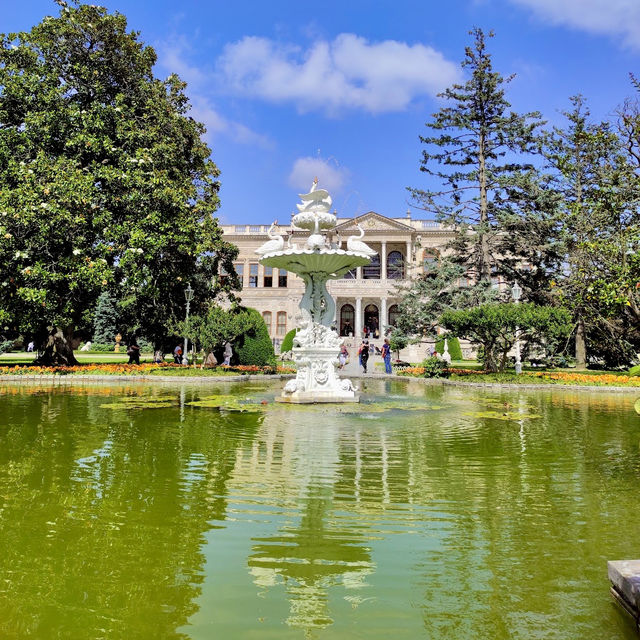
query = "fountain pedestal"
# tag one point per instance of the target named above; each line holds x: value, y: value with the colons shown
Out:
x: 317, y: 379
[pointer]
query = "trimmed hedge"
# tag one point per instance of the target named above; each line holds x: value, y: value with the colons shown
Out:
x: 287, y: 342
x: 255, y: 347
x: 454, y: 347
x: 635, y: 371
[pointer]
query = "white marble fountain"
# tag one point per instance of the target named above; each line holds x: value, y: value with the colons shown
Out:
x: 316, y: 345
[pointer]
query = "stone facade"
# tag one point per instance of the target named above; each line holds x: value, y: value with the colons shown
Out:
x: 365, y: 300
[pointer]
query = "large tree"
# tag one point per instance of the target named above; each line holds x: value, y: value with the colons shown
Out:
x: 478, y: 149
x: 106, y: 183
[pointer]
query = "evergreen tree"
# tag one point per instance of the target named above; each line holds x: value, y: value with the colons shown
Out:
x: 104, y: 320
x: 476, y: 153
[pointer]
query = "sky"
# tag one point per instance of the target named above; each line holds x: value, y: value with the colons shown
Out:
x: 342, y: 89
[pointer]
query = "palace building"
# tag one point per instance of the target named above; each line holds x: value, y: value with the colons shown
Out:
x: 366, y: 298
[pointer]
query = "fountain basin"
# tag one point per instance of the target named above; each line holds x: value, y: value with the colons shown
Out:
x: 333, y: 262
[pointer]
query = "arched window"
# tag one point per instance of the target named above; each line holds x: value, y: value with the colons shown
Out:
x: 266, y: 316
x: 430, y: 259
x: 395, y: 266
x: 347, y: 320
x: 281, y: 323
x: 372, y: 270
x: 394, y: 313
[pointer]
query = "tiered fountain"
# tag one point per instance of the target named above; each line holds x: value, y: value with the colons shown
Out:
x: 316, y: 345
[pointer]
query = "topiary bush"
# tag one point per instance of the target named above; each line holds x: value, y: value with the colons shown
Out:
x: 287, y: 342
x: 454, y: 347
x: 435, y: 368
x: 635, y: 371
x: 255, y: 346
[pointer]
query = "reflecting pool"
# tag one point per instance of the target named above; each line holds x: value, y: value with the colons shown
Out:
x: 197, y: 511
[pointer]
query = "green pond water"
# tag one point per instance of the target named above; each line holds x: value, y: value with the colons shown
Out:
x: 195, y: 511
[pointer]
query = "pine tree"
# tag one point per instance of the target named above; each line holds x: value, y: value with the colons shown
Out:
x: 104, y: 320
x: 476, y: 153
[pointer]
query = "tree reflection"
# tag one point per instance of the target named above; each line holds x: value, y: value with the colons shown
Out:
x: 103, y: 514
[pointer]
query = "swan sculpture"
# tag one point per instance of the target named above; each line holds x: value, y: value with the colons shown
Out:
x: 354, y: 243
x: 276, y: 242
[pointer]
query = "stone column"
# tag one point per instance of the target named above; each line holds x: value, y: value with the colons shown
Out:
x: 383, y: 260
x: 383, y: 316
x: 358, y: 273
x: 358, y: 328
x: 408, y: 260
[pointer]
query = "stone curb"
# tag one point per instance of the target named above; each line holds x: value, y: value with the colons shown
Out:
x: 494, y: 385
x: 286, y: 376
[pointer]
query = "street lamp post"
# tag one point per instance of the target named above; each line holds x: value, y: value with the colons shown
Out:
x: 516, y: 292
x: 188, y: 296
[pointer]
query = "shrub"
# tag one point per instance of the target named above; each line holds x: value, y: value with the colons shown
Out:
x: 255, y: 346
x: 635, y: 371
x: 454, y: 347
x: 435, y: 368
x: 287, y: 342
x: 5, y: 345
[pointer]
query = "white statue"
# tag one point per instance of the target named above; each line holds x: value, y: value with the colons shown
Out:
x: 291, y: 245
x: 86, y: 347
x: 354, y: 243
x: 315, y: 200
x: 304, y: 335
x: 276, y: 243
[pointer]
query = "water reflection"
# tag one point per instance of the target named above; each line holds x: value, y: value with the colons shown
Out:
x: 183, y: 522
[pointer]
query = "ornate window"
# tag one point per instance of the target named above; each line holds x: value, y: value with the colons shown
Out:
x: 281, y: 326
x: 430, y: 259
x: 239, y: 267
x: 394, y: 313
x: 266, y: 316
x: 282, y: 278
x: 267, y: 279
x: 371, y: 271
x: 253, y: 275
x: 395, y: 266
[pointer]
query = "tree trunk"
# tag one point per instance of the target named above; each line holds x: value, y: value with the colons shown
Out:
x: 57, y: 350
x: 581, y: 346
x: 485, y: 255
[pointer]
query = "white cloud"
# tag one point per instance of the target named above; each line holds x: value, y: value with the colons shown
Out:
x: 173, y: 59
x: 348, y: 72
x: 330, y: 177
x: 607, y: 17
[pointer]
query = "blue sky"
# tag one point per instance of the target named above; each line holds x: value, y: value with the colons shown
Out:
x: 342, y: 89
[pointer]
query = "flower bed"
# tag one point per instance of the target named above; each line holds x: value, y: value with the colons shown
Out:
x: 141, y: 369
x: 534, y: 377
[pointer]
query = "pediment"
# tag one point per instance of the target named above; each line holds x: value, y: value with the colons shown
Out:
x: 373, y: 222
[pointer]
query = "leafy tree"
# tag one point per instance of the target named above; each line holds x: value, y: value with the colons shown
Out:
x: 398, y: 341
x: 104, y: 320
x: 597, y: 207
x: 107, y: 185
x: 494, y: 326
x: 476, y: 152
x: 211, y: 330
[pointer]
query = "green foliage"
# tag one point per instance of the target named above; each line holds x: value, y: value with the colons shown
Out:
x: 428, y: 296
x: 5, y: 345
x: 453, y: 345
x: 104, y: 319
x: 494, y: 327
x: 435, y: 368
x: 255, y: 346
x: 287, y: 342
x: 99, y: 347
x: 107, y: 185
x: 216, y: 326
x: 635, y: 371
x: 398, y: 341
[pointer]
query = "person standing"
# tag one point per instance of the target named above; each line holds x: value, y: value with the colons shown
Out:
x: 386, y: 356
x: 342, y: 357
x: 364, y: 355
x: 228, y: 352
x: 133, y: 351
x: 177, y: 354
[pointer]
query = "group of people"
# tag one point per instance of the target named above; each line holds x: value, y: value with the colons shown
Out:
x: 365, y: 350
